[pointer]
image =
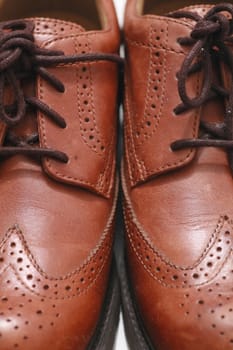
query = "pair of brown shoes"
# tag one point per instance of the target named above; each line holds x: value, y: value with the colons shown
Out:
x: 59, y: 98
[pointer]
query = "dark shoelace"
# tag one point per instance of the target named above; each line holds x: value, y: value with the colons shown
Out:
x: 20, y: 59
x: 209, y: 40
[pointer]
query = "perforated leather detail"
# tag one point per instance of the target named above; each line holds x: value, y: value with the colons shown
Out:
x: 201, y: 295
x: 155, y: 95
x: 179, y: 242
x: 86, y: 107
x: 149, y: 109
x: 33, y: 304
x: 49, y: 26
x: 18, y: 261
x: 209, y: 266
x: 92, y: 150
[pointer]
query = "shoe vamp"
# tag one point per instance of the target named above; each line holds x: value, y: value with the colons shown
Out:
x: 61, y: 225
x: 180, y: 211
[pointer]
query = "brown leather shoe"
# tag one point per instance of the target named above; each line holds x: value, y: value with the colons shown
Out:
x: 177, y: 175
x: 58, y: 188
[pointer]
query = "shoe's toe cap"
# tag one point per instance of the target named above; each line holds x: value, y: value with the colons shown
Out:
x: 184, y: 307
x: 38, y: 311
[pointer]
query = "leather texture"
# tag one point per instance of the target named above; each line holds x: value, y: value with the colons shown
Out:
x: 57, y: 220
x: 178, y: 205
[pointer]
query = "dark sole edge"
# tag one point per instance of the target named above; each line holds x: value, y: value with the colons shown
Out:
x: 136, y: 335
x: 104, y: 338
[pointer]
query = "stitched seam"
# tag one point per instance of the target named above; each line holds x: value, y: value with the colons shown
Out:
x: 102, y: 177
x: 140, y: 258
x: 42, y: 130
x: 150, y: 88
x: 107, y: 249
x: 81, y: 292
x: 93, y: 110
x: 155, y: 46
x: 166, y: 166
x: 127, y: 146
x: 112, y: 176
x: 191, y: 152
x: 210, y: 244
x: 83, y: 33
x: 166, y: 19
x: 106, y: 178
x: 90, y: 95
x: 145, y: 237
x: 194, y: 134
x: 131, y: 137
x: 88, y: 261
x: 54, y: 21
x: 131, y: 144
x: 82, y: 111
x: 169, y: 285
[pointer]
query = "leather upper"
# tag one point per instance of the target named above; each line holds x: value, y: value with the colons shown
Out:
x: 57, y: 220
x: 178, y: 213
x: 154, y: 53
x: 92, y: 155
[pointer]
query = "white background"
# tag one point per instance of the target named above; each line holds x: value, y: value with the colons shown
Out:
x: 121, y: 343
x: 120, y: 6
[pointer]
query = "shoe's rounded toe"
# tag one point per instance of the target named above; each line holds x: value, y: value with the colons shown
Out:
x: 38, y: 311
x: 184, y: 307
